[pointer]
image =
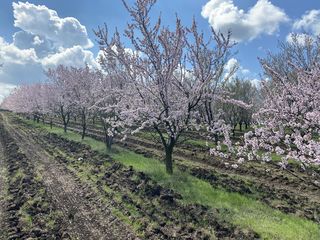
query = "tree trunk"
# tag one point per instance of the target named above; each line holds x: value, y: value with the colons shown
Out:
x: 51, y: 123
x: 65, y: 119
x: 109, y: 142
x: 83, y: 131
x: 168, y: 160
x: 247, y: 125
x: 216, y: 139
x: 240, y: 124
x: 84, y: 125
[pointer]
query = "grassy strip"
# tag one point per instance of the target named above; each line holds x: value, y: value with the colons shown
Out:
x: 240, y: 210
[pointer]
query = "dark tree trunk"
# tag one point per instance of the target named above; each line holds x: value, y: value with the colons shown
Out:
x: 84, y: 128
x: 84, y: 124
x: 109, y: 142
x: 216, y: 139
x: 38, y: 119
x: 240, y: 124
x: 246, y: 126
x: 168, y: 159
x: 65, y: 119
x: 51, y: 123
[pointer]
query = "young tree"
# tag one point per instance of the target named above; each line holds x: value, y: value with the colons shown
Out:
x: 161, y: 92
x: 82, y: 92
x: 109, y: 102
x: 61, y: 81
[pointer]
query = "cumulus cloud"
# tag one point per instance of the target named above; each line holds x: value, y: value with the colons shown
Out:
x: 234, y: 69
x: 5, y: 89
x: 262, y: 18
x: 70, y: 57
x: 233, y: 64
x: 309, y: 22
x: 306, y: 28
x: 26, y: 40
x: 44, y: 41
x: 42, y: 21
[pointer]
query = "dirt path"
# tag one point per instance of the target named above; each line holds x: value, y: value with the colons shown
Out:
x: 86, y: 219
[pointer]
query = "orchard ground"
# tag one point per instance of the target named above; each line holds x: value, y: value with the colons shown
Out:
x: 57, y: 186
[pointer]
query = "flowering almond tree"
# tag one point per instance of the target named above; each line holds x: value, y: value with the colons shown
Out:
x: 61, y: 81
x: 83, y: 92
x: 108, y: 102
x: 161, y: 92
x: 290, y: 118
x: 288, y: 123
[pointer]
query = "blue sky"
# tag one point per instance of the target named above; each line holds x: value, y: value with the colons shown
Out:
x: 258, y: 26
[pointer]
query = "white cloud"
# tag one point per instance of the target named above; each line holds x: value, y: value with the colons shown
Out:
x: 306, y: 28
x: 241, y: 72
x: 45, y: 40
x: 256, y: 82
x: 5, y: 89
x: 231, y: 64
x: 37, y: 40
x: 262, y: 18
x: 75, y: 56
x: 42, y: 21
x: 309, y: 22
x: 10, y: 53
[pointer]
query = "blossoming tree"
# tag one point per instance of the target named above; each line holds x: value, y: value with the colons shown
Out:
x: 163, y: 92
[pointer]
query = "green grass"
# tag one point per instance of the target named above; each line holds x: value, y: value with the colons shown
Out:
x: 238, y: 209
